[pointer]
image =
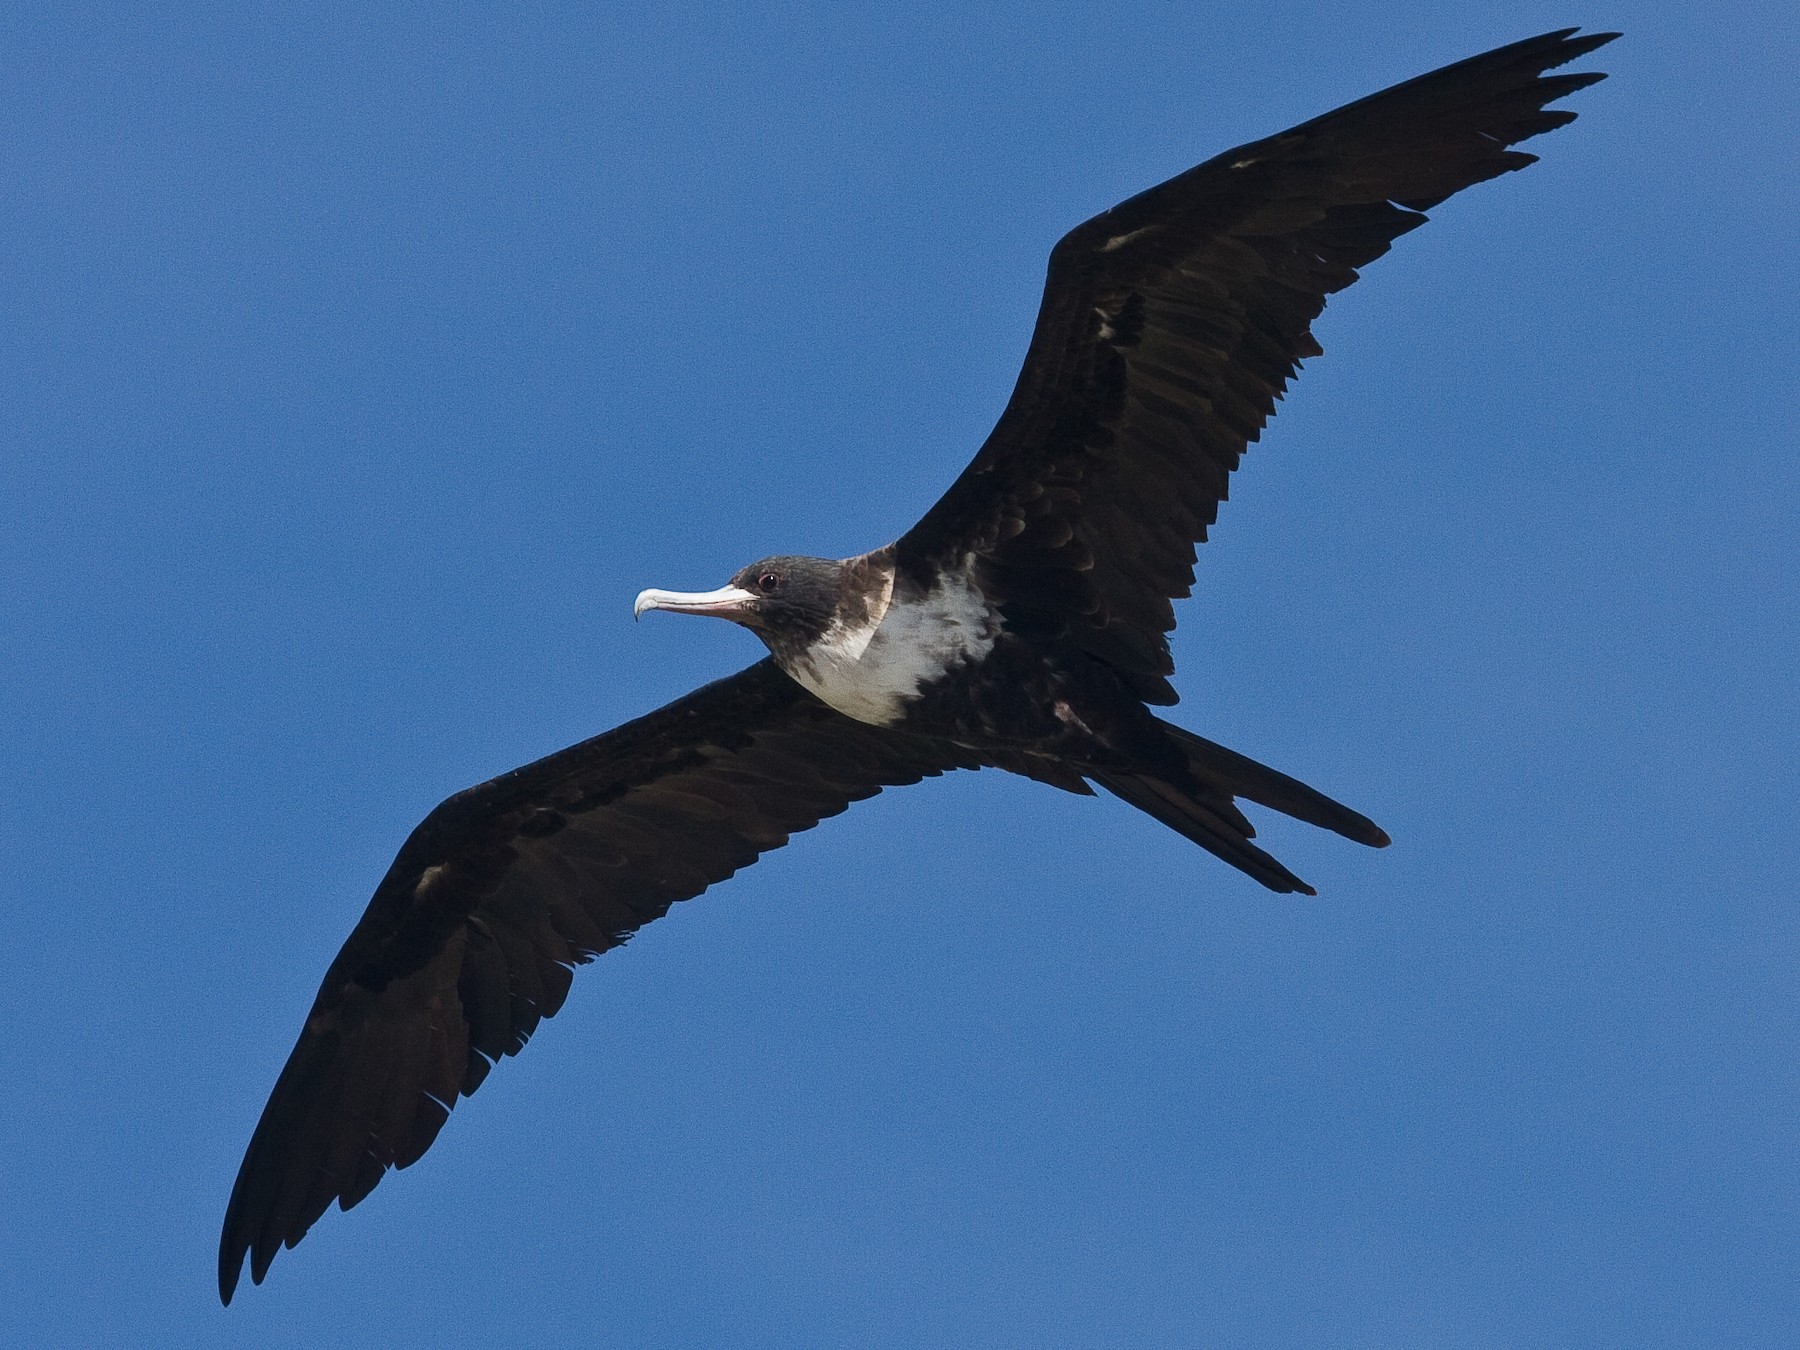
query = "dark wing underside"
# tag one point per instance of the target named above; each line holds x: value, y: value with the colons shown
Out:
x: 472, y: 936
x: 1172, y: 323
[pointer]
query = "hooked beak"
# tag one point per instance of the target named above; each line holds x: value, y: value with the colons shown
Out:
x: 728, y: 602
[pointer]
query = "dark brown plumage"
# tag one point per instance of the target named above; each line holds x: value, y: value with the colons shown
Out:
x: 474, y: 931
x: 1170, y: 325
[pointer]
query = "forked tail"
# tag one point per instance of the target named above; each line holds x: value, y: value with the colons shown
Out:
x: 1203, y: 809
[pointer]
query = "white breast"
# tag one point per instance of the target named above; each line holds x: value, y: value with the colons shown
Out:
x: 870, y: 672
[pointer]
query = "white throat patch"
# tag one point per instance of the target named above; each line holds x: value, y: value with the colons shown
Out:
x: 870, y: 672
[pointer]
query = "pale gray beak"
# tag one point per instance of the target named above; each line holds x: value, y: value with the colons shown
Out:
x: 728, y: 602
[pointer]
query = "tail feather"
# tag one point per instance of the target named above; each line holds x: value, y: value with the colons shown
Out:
x: 1241, y: 776
x: 1202, y: 808
x: 1216, y: 825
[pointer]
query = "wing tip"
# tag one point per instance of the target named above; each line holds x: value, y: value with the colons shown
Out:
x: 228, y: 1278
x: 233, y: 1242
x: 233, y: 1248
x: 1566, y: 44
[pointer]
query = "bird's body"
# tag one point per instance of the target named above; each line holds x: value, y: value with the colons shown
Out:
x: 892, y: 643
x: 1022, y: 624
x: 929, y: 652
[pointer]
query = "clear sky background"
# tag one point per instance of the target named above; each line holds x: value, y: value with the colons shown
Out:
x: 357, y: 369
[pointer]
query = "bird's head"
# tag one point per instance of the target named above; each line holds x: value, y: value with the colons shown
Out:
x: 787, y: 602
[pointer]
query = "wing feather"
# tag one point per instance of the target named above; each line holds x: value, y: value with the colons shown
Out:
x: 473, y: 935
x: 1171, y: 325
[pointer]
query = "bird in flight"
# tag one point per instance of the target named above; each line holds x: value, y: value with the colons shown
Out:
x: 1022, y: 624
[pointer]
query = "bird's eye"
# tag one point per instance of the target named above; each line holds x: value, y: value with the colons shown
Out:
x: 768, y: 582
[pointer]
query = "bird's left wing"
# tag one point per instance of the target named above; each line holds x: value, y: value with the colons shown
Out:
x: 1172, y: 323
x: 473, y: 934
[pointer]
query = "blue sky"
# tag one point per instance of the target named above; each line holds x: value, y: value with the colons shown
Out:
x: 357, y: 368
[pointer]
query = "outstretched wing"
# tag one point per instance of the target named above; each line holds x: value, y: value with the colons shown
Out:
x: 1172, y: 323
x: 472, y: 936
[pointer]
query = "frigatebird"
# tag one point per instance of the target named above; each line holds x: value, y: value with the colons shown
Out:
x: 1022, y: 624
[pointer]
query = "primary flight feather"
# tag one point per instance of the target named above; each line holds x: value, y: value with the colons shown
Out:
x: 1022, y: 624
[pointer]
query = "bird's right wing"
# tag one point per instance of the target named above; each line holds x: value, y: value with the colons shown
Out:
x: 472, y: 936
